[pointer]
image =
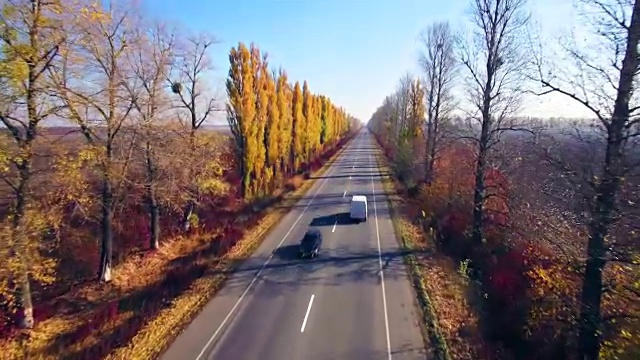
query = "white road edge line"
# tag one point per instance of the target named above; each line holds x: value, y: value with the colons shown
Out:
x: 384, y: 293
x: 306, y: 316
x: 345, y: 193
x: 233, y: 309
x: 334, y: 226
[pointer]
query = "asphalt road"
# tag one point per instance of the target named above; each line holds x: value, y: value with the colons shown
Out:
x: 354, y: 301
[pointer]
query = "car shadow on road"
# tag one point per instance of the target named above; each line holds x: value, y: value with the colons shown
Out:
x: 291, y: 252
x: 287, y: 252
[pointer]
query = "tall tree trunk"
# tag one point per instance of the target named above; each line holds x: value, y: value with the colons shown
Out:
x: 244, y: 181
x: 433, y: 128
x: 429, y: 142
x: 483, y: 147
x: 191, y: 203
x: 23, y: 297
x: 106, y: 250
x: 244, y: 172
x: 606, y: 192
x: 275, y: 181
x: 187, y: 214
x: 479, y: 186
x: 154, y: 224
x: 478, y: 198
x: 602, y: 218
x: 20, y: 279
x: 431, y: 159
x: 292, y: 160
x: 152, y: 200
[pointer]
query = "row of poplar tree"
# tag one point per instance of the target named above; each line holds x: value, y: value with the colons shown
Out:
x: 279, y: 128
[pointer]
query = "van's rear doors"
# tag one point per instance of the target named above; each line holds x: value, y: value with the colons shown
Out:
x: 359, y: 207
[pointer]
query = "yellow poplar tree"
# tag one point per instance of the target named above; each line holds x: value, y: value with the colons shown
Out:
x: 330, y: 124
x: 262, y: 100
x: 272, y: 133
x: 324, y: 135
x: 307, y: 103
x: 284, y: 99
x: 340, y: 122
x: 241, y: 112
x: 314, y: 133
x: 319, y: 125
x: 278, y: 127
x: 298, y: 127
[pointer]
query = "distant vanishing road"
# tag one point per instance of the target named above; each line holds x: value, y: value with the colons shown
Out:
x: 354, y: 301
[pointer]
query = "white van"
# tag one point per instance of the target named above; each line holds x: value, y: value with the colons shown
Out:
x: 359, y: 207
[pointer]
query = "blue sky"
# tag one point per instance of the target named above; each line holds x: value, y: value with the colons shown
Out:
x: 353, y: 51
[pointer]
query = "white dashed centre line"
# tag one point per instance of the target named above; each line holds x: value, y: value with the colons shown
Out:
x: 306, y: 316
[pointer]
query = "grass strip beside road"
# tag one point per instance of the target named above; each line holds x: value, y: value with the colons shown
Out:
x: 160, y: 332
x: 411, y: 239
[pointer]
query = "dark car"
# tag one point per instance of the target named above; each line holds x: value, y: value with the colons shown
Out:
x: 311, y: 243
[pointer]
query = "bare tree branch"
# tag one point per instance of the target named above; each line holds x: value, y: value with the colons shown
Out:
x: 190, y: 71
x: 496, y: 66
x: 439, y: 66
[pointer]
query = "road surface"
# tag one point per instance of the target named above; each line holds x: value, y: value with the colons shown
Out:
x: 354, y: 301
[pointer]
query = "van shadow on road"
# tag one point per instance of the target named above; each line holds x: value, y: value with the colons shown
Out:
x: 381, y: 210
x: 343, y: 218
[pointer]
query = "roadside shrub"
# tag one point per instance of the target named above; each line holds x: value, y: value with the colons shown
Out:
x: 454, y: 227
x: 132, y: 232
x: 7, y: 320
x: 507, y: 284
x: 103, y: 315
x: 295, y: 182
x: 414, y: 191
x: 553, y: 292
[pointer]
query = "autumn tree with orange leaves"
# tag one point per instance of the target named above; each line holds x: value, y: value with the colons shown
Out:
x: 102, y: 42
x: 30, y: 40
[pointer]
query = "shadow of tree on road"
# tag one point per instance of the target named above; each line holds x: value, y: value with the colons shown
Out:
x: 359, y: 352
x: 338, y: 266
x: 359, y: 174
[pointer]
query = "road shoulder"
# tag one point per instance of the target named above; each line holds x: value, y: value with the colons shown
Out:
x: 406, y: 236
x: 446, y: 315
